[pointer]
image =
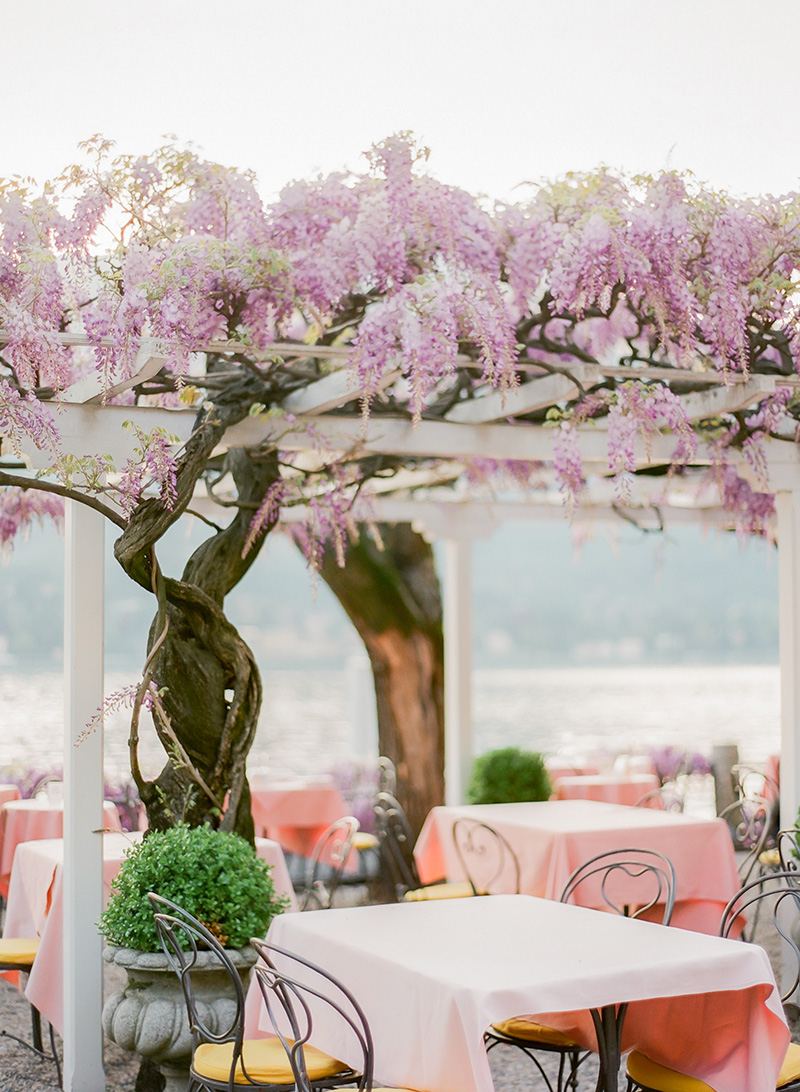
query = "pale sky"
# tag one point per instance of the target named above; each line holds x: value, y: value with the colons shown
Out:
x: 502, y: 91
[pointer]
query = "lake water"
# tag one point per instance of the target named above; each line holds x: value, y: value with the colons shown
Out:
x: 307, y: 720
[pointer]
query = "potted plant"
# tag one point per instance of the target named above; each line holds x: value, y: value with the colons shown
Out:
x: 218, y: 878
x: 508, y: 775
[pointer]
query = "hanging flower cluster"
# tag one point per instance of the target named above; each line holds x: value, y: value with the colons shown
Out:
x: 21, y: 508
x: 153, y: 466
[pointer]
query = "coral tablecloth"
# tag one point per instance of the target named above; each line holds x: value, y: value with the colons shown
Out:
x: 8, y: 792
x: 295, y: 813
x: 35, y: 906
x: 773, y: 772
x: 552, y: 838
x: 29, y: 820
x: 612, y: 788
x: 562, y: 767
x: 432, y: 976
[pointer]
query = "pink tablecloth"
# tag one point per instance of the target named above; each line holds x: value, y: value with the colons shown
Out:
x: 612, y: 788
x: 31, y: 820
x: 35, y: 906
x: 432, y: 976
x: 773, y: 777
x: 562, y: 767
x: 296, y: 813
x: 8, y: 792
x: 552, y: 838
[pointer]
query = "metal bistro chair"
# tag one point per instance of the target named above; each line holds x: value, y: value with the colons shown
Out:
x: 668, y: 797
x: 326, y: 864
x: 387, y: 775
x: 486, y: 857
x: 654, y: 874
x: 222, y: 1059
x: 751, y: 821
x: 784, y: 856
x: 18, y: 954
x: 397, y: 856
x: 788, y: 847
x: 751, y: 781
x: 291, y: 995
x: 645, y: 1075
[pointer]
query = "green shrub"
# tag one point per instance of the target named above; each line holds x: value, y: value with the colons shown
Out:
x: 214, y: 875
x: 508, y: 775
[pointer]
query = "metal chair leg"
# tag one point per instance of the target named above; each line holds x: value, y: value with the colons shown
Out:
x: 36, y: 1029
x: 37, y: 1046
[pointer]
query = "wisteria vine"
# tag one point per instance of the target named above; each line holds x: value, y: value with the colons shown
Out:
x: 413, y: 278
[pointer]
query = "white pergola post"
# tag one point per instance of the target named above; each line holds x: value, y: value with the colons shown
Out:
x: 457, y: 668
x: 457, y: 527
x: 83, y: 800
x: 787, y: 503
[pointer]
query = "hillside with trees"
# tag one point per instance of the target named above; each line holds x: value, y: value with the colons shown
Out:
x: 621, y: 598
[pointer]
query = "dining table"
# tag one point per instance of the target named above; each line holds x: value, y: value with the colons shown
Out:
x: 560, y: 766
x: 554, y: 837
x: 431, y: 977
x: 296, y: 811
x: 9, y: 791
x: 614, y: 788
x: 35, y: 906
x: 32, y: 819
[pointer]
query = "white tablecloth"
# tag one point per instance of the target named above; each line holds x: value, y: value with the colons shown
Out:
x: 35, y: 906
x: 432, y: 976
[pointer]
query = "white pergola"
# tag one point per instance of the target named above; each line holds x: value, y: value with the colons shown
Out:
x: 488, y: 427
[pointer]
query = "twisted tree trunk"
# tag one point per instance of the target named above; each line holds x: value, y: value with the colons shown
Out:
x: 207, y: 679
x: 392, y: 597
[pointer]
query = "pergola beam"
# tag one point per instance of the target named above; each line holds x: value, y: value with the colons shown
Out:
x: 437, y: 513
x: 99, y: 428
x: 432, y: 439
x: 528, y: 397
x: 720, y: 400
x: 150, y: 359
x: 336, y: 389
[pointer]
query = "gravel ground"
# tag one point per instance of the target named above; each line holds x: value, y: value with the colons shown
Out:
x: 21, y: 1071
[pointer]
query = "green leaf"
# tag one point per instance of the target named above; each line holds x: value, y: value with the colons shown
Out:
x: 213, y: 874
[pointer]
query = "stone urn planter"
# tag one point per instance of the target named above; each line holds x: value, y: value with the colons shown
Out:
x: 148, y: 1016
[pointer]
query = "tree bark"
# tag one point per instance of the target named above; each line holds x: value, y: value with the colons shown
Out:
x: 392, y: 597
x: 207, y: 678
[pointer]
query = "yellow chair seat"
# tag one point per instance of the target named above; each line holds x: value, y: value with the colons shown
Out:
x: 363, y: 840
x: 18, y: 950
x: 790, y: 1070
x: 440, y: 891
x: 652, y: 1075
x: 517, y: 1028
x: 265, y: 1061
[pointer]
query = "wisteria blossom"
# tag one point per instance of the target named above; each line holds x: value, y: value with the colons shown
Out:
x: 20, y: 509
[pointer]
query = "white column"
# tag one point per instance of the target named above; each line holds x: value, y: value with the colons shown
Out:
x: 363, y: 707
x: 83, y: 800
x: 457, y: 668
x: 788, y: 507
